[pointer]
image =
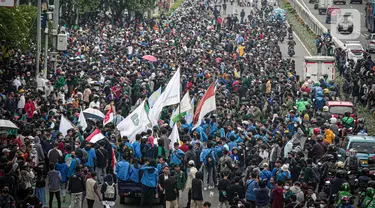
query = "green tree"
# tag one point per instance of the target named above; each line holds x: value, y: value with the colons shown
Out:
x: 18, y: 26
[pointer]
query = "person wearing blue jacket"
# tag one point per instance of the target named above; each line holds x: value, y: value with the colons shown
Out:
x: 91, y: 157
x: 122, y: 169
x: 62, y: 167
x: 149, y: 182
x: 177, y: 155
x: 137, y: 147
x: 208, y: 160
x: 265, y: 174
x: 251, y: 184
x: 134, y: 171
x: 73, y: 164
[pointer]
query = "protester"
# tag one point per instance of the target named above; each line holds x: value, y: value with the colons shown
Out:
x: 267, y: 131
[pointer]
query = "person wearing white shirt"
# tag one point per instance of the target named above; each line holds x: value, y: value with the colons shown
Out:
x: 95, y: 103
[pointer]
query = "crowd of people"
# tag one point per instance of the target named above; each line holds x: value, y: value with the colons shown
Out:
x: 271, y: 142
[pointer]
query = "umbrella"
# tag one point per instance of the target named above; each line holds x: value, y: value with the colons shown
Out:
x: 93, y: 114
x: 150, y: 58
x: 7, y: 124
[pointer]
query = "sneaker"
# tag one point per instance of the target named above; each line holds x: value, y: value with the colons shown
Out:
x: 205, y: 188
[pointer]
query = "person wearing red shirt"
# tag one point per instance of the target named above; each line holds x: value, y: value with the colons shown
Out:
x: 184, y: 147
x: 277, y: 195
x: 29, y: 108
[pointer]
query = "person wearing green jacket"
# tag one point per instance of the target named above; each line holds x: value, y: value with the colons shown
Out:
x: 345, y: 192
x: 368, y: 197
x: 348, y: 121
x: 180, y: 177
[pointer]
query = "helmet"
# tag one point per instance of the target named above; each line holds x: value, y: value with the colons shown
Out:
x: 332, y: 148
x: 345, y: 187
x: 361, y: 120
x: 316, y: 131
x: 333, y: 120
x: 365, y: 171
x: 352, y: 152
x: 313, y: 120
x: 325, y: 108
x: 319, y: 138
x: 340, y: 165
x: 371, y: 184
x: 330, y: 157
x: 370, y: 192
x: 325, y: 91
x: 347, y: 113
x: 340, y: 174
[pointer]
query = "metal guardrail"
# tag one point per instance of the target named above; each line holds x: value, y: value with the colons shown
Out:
x: 310, y: 20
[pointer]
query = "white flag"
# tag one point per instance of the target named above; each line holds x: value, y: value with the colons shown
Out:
x: 65, y: 125
x: 190, y: 114
x: 170, y: 96
x: 82, y: 121
x: 135, y: 123
x: 154, y: 97
x: 174, y: 137
x: 184, y: 106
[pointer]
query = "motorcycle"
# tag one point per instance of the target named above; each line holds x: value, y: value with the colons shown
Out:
x: 290, y: 35
x: 291, y: 51
x: 353, y: 181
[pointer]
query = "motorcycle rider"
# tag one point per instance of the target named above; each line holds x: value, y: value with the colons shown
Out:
x: 343, y: 195
x: 290, y: 31
x: 336, y: 183
x: 319, y: 148
x: 364, y: 179
x: 335, y: 128
x: 366, y: 197
x: 325, y: 170
x: 347, y: 121
x: 326, y: 115
x: 352, y: 163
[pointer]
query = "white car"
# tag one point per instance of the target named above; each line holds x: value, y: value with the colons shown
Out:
x: 345, y: 25
x: 354, y: 50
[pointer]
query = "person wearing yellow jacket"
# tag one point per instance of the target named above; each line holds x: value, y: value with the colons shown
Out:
x: 329, y: 135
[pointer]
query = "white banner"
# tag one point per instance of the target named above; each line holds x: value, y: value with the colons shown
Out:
x: 6, y: 3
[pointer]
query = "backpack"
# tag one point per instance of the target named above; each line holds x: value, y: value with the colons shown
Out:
x: 128, y: 152
x: 110, y: 191
x: 315, y: 175
x: 210, y: 159
x: 84, y: 156
x: 149, y: 153
x: 223, y: 164
x: 319, y: 103
x: 353, y: 163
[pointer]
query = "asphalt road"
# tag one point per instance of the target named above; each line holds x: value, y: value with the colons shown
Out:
x: 209, y: 195
x: 362, y: 30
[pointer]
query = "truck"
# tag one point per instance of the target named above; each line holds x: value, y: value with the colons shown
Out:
x: 323, y: 5
x: 317, y: 66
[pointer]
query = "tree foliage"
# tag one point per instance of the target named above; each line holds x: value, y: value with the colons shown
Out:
x: 137, y: 6
x: 18, y: 26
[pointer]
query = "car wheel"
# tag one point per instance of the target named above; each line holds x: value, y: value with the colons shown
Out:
x: 122, y: 200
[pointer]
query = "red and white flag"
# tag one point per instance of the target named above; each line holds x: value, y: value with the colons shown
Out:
x: 205, y: 105
x: 95, y: 136
x: 114, y: 161
x: 108, y: 117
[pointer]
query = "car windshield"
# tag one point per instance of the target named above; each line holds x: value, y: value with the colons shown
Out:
x: 363, y: 147
x: 355, y: 47
x: 340, y: 109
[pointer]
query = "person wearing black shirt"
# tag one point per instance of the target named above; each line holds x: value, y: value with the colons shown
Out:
x: 170, y: 188
x: 235, y: 190
x: 162, y: 178
x: 101, y: 162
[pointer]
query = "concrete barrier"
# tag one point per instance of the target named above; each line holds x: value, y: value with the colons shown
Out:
x: 311, y: 21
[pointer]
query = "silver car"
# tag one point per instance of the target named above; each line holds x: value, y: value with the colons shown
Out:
x: 370, y: 42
